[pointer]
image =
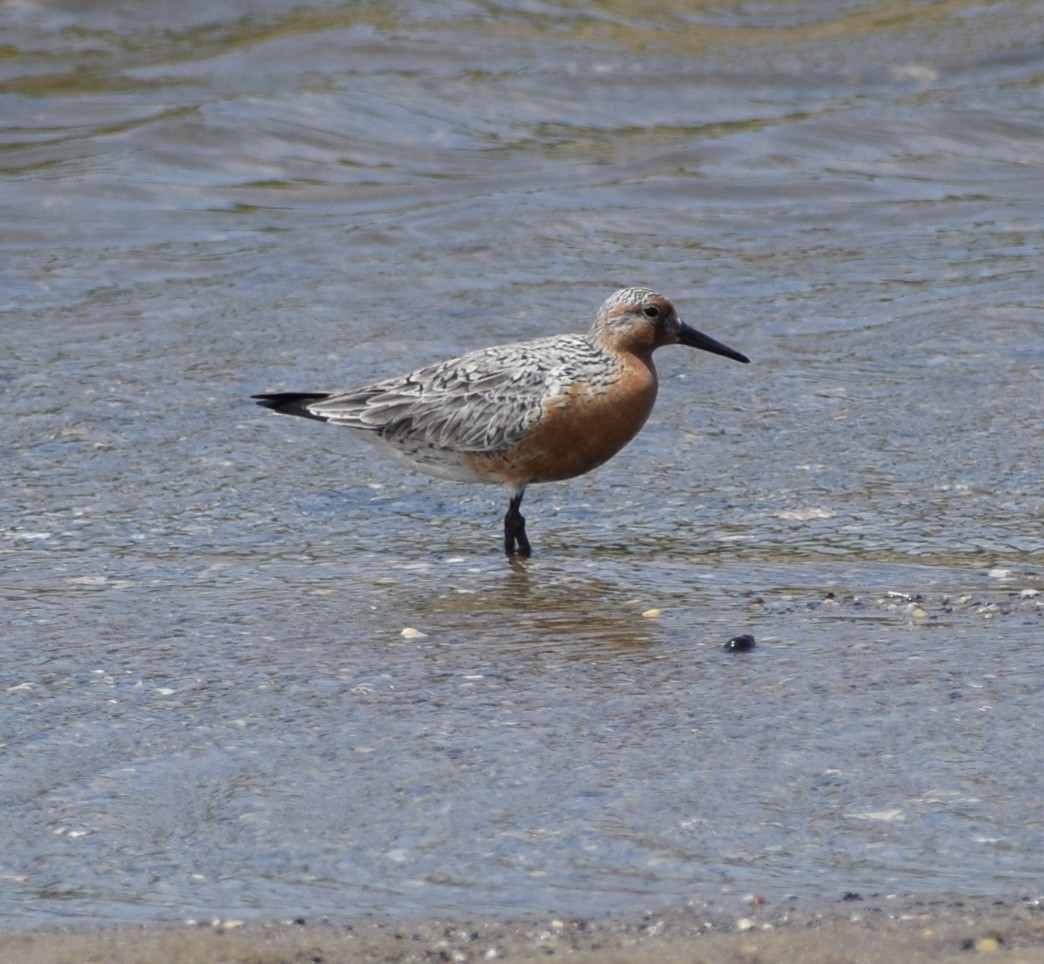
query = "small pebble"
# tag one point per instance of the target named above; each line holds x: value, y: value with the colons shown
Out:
x: 987, y: 945
x: 410, y: 633
x: 740, y: 644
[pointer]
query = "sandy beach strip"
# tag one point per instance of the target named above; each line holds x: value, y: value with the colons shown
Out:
x: 856, y: 930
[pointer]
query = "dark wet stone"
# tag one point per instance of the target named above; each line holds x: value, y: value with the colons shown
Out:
x: 740, y: 644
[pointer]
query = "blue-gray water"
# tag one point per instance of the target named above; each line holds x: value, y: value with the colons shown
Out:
x: 207, y: 705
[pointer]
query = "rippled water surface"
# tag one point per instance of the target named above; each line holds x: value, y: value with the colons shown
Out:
x: 207, y: 705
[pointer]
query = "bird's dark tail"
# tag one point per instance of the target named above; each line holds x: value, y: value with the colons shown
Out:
x: 292, y: 403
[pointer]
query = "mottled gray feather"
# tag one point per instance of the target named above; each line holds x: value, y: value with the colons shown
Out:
x: 485, y: 401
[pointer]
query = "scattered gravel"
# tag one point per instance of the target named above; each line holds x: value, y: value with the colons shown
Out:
x: 856, y: 928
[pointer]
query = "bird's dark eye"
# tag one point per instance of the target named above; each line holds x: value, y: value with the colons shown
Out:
x: 651, y: 311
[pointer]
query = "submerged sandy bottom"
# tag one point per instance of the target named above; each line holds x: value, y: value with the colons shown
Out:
x: 854, y: 930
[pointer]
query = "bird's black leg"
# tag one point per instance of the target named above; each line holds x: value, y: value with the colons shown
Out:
x: 515, y: 529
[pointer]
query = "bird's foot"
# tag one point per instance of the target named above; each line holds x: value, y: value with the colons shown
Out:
x: 515, y: 540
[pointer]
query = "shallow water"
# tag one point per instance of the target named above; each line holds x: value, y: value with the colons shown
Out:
x: 207, y: 703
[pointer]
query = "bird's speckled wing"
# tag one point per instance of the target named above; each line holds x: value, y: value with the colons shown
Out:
x: 485, y: 401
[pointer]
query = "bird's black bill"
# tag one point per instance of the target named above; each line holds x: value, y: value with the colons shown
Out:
x: 697, y: 339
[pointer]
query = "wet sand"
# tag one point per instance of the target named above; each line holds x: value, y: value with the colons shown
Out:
x: 855, y: 929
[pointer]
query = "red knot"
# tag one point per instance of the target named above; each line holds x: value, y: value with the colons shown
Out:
x: 536, y: 411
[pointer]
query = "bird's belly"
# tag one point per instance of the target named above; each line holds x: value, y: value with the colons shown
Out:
x: 579, y: 430
x: 430, y: 459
